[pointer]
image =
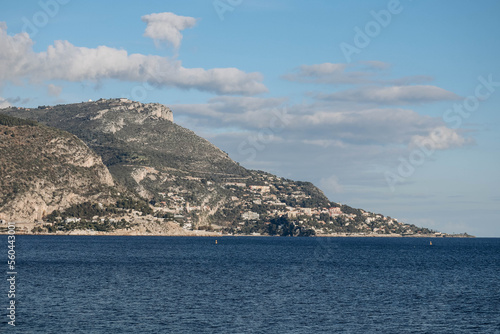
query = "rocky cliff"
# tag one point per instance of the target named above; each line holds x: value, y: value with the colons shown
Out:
x: 43, y: 169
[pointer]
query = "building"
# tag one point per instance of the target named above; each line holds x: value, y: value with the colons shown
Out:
x: 306, y: 211
x: 262, y: 189
x: 334, y: 211
x: 236, y: 184
x: 250, y: 215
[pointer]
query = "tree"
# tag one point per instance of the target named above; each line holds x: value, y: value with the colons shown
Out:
x: 284, y: 227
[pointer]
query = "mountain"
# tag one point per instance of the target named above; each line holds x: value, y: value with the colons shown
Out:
x: 186, y: 179
x: 136, y: 139
x: 44, y: 169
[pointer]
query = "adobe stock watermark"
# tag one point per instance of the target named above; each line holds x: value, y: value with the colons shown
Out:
x: 49, y: 9
x: 454, y: 118
x: 223, y: 6
x: 372, y: 29
x: 258, y: 142
x: 11, y: 273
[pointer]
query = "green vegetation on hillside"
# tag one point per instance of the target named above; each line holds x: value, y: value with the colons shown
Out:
x: 284, y: 227
x: 88, y: 210
x: 14, y: 121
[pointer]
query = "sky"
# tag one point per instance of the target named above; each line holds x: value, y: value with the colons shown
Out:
x: 389, y: 106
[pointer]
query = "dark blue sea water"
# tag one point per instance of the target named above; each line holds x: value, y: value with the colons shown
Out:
x: 82, y: 284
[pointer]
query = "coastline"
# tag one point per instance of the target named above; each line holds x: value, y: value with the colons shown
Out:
x: 171, y: 229
x: 199, y: 233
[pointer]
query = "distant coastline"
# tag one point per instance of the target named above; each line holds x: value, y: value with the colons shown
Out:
x: 201, y: 233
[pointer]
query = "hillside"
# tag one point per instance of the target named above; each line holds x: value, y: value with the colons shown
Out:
x: 43, y: 169
x: 190, y: 182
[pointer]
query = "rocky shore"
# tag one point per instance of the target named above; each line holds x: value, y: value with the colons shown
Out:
x: 147, y: 228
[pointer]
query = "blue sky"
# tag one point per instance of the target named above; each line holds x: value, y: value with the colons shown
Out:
x: 390, y: 106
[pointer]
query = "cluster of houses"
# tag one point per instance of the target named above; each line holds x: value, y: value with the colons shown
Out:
x: 277, y: 196
x: 295, y: 212
x: 250, y: 195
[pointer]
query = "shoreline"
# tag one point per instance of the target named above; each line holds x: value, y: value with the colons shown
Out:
x: 171, y: 229
x: 215, y: 234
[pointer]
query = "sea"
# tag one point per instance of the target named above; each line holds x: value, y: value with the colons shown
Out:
x: 146, y: 284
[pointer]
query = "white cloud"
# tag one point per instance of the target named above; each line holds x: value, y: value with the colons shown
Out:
x: 12, y: 101
x: 167, y: 27
x: 392, y: 95
x: 54, y: 90
x: 440, y: 138
x: 376, y: 64
x: 318, y: 124
x: 237, y: 104
x: 331, y: 185
x: 377, y: 118
x: 362, y: 73
x: 324, y: 142
x: 4, y: 103
x: 247, y: 112
x: 328, y: 73
x: 64, y: 61
x: 408, y: 80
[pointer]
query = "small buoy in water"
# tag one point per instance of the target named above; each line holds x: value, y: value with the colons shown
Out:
x: 430, y: 242
x: 216, y: 242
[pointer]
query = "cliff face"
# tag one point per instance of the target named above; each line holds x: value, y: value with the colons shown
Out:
x: 116, y: 114
x: 43, y: 169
